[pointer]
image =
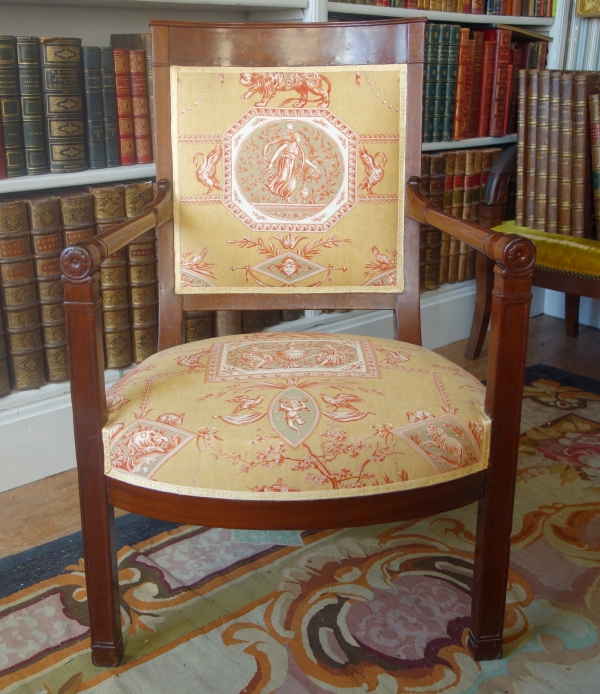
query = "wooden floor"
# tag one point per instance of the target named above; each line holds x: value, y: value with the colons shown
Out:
x: 49, y: 509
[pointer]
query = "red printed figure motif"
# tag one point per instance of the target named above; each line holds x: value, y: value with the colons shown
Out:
x: 267, y: 84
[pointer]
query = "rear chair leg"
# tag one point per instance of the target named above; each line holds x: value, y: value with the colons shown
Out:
x: 484, y: 275
x: 572, y: 314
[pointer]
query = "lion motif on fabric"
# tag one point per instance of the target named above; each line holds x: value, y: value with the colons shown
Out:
x: 267, y: 84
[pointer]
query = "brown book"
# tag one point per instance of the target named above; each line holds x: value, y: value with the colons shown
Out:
x: 47, y: 244
x: 467, y: 211
x: 478, y: 37
x: 553, y: 145
x: 76, y: 216
x: 530, y: 148
x: 487, y: 78
x: 541, y: 151
x: 521, y: 148
x: 4, y: 380
x: 448, y: 192
x: 430, y: 238
x: 291, y: 314
x: 584, y: 84
x: 464, y: 86
x: 227, y: 323
x: 124, y: 107
x: 594, y: 103
x: 475, y: 198
x: 425, y: 179
x: 198, y: 325
x: 109, y: 210
x: 433, y: 241
x: 565, y: 153
x: 253, y: 321
x: 457, y: 209
x: 140, y: 107
x: 19, y: 298
x: 499, y: 79
x: 150, y: 83
x: 141, y: 270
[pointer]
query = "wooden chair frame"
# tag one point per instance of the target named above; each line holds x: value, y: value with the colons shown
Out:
x: 513, y: 257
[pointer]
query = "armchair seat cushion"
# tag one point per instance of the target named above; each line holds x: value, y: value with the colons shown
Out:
x: 560, y: 253
x: 294, y: 416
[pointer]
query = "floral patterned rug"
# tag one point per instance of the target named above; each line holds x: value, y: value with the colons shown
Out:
x: 378, y: 609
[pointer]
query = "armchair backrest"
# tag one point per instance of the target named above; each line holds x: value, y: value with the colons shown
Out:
x: 288, y: 147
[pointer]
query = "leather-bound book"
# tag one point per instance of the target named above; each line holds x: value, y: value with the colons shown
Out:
x: 19, y: 299
x: 487, y: 78
x: 499, y: 79
x: 227, y: 323
x: 530, y: 147
x: 430, y: 238
x: 291, y: 314
x: 139, y: 106
x: 457, y: 208
x: 478, y: 37
x: 109, y: 106
x: 2, y: 159
x: 10, y: 107
x: 513, y: 99
x: 450, y: 162
x: 467, y: 211
x: 76, y: 216
x: 150, y: 83
x: 475, y: 198
x: 62, y: 87
x: 439, y: 106
x: 565, y: 153
x: 594, y: 104
x: 464, y: 86
x: 451, y: 80
x: 4, y: 380
x: 271, y: 318
x: 432, y: 39
x: 124, y: 107
x: 478, y: 7
x: 94, y: 108
x: 141, y: 263
x: 541, y: 151
x: 47, y: 244
x: 127, y: 40
x: 521, y: 147
x: 553, y: 144
x: 32, y: 108
x: 109, y: 210
x: 425, y: 183
x: 582, y: 218
x: 253, y: 321
x: 198, y: 325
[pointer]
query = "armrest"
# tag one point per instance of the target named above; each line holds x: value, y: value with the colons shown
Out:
x: 84, y: 258
x: 512, y: 252
x: 495, y: 194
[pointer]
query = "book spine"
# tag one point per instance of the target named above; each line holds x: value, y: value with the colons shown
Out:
x: 485, y: 102
x: 594, y: 104
x: 150, y: 83
x: 124, y: 107
x: 581, y: 191
x: 2, y: 158
x: 499, y: 82
x: 478, y: 7
x: 140, y: 107
x: 530, y: 155
x: 109, y: 106
x: 467, y: 211
x: 76, y: 217
x: 437, y: 180
x: 47, y: 244
x: 10, y: 107
x: 94, y: 109
x: 109, y: 210
x: 508, y: 94
x: 4, y: 379
x: 441, y: 82
x: 448, y: 191
x: 425, y: 188
x: 511, y: 126
x: 565, y: 153
x: 541, y: 151
x: 141, y: 264
x: 553, y: 145
x: 475, y: 198
x: 32, y: 108
x: 464, y: 86
x: 198, y: 325
x: 451, y: 82
x: 432, y: 36
x: 62, y: 88
x: 457, y: 210
x: 478, y: 37
x: 19, y: 299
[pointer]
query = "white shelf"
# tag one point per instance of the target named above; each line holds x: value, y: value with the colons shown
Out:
x: 80, y: 178
x: 221, y: 5
x: 448, y: 17
x: 466, y: 144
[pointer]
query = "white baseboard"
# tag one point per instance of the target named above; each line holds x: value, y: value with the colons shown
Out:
x: 36, y: 426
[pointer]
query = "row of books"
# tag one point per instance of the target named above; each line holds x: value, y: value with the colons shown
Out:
x: 454, y: 181
x: 527, y: 8
x: 66, y: 108
x: 554, y: 151
x: 470, y: 79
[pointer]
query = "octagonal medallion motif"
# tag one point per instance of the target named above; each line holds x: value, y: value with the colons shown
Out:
x: 289, y: 169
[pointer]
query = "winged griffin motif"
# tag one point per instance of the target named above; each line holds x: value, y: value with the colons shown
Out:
x: 206, y: 169
x: 374, y: 171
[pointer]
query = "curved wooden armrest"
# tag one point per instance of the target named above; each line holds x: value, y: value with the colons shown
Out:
x: 512, y: 252
x: 495, y: 193
x: 81, y: 260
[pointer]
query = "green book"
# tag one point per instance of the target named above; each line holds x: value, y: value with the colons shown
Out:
x: 451, y: 77
x: 10, y: 107
x: 432, y: 39
x: 439, y: 108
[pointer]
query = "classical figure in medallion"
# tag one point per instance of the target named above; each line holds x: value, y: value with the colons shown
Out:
x: 286, y: 163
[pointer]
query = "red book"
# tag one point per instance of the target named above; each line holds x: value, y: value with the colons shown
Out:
x: 516, y: 8
x: 124, y: 107
x: 464, y: 86
x: 485, y: 100
x: 542, y: 55
x: 503, y: 7
x: 478, y: 37
x: 477, y: 6
x: 2, y: 157
x: 508, y: 94
x: 499, y: 79
x: 140, y: 107
x: 466, y: 6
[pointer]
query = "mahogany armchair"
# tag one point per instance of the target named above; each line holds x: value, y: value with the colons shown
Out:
x: 282, y: 185
x: 563, y: 263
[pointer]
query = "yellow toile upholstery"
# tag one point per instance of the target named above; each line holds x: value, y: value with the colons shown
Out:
x: 560, y: 253
x: 295, y: 415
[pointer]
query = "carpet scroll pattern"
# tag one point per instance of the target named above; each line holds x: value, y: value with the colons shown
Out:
x: 379, y: 609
